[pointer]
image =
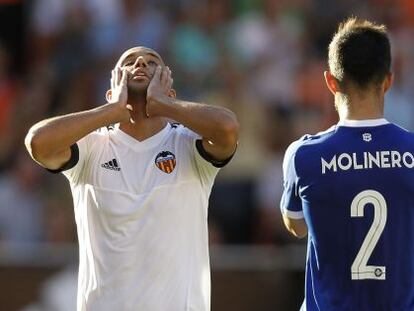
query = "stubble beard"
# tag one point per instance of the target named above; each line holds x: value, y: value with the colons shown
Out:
x: 137, y: 94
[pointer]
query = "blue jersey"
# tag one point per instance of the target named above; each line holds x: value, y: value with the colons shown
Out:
x: 354, y: 186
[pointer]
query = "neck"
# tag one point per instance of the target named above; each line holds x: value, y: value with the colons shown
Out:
x: 357, y: 107
x: 143, y: 127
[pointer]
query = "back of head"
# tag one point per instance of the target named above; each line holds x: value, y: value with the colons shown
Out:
x: 360, y: 53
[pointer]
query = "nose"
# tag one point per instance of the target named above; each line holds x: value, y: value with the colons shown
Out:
x: 140, y: 62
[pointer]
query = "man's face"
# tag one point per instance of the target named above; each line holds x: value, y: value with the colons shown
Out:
x: 140, y: 64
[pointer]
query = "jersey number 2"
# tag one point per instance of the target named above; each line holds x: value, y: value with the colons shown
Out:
x: 359, y: 269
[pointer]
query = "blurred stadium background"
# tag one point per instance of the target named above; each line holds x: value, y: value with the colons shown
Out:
x: 263, y: 59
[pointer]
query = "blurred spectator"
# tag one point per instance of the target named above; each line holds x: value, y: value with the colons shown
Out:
x: 9, y: 93
x: 232, y: 91
x: 267, y: 42
x: 268, y: 226
x: 193, y: 51
x: 58, y: 293
x: 34, y: 101
x: 398, y: 106
x: 59, y: 38
x: 106, y: 26
x: 231, y: 218
x: 312, y: 92
x: 144, y: 25
x: 21, y: 209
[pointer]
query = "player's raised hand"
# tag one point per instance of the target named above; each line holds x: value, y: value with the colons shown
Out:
x: 119, y: 94
x: 159, y: 88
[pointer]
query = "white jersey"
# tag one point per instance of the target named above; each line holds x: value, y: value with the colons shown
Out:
x: 141, y: 215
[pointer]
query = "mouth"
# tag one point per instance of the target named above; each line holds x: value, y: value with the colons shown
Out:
x: 139, y: 78
x: 139, y: 75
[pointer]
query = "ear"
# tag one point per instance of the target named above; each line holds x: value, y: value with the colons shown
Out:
x: 172, y: 93
x: 108, y: 95
x: 389, y: 79
x: 331, y: 82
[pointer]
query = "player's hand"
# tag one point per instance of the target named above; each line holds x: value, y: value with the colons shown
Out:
x: 119, y: 95
x: 158, y: 89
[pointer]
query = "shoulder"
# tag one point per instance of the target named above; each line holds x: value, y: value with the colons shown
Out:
x: 309, y: 140
x: 306, y: 143
x: 290, y: 154
x: 102, y: 132
x: 182, y: 131
x: 295, y: 146
x: 320, y: 137
x: 399, y: 136
x: 96, y: 138
x: 401, y: 130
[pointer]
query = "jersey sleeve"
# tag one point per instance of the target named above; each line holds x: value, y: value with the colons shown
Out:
x: 206, y: 169
x: 76, y: 162
x: 88, y: 147
x: 206, y: 165
x: 291, y: 204
x: 73, y: 173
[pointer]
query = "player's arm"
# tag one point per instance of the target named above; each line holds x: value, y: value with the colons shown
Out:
x: 297, y: 227
x: 216, y: 125
x: 49, y: 141
x: 291, y: 203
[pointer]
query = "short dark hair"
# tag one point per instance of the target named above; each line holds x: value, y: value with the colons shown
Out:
x: 360, y: 53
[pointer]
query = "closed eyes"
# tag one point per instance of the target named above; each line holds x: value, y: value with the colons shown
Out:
x: 131, y: 62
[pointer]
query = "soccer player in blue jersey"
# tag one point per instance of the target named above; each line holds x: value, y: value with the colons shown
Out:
x: 351, y: 188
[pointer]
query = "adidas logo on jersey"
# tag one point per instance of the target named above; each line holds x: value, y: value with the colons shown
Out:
x: 111, y: 165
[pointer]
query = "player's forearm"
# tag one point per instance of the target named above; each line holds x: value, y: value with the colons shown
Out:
x: 297, y: 227
x: 51, y: 137
x: 217, y: 124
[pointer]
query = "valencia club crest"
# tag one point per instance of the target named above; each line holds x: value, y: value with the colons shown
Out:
x: 165, y: 161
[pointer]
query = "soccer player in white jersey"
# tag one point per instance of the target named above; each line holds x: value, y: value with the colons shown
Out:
x: 140, y: 189
x: 351, y: 188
